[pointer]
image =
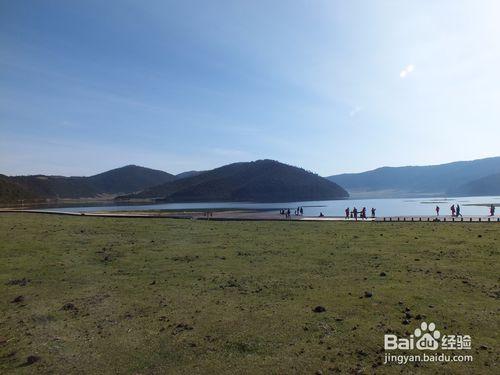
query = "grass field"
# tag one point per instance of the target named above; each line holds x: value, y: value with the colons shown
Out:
x: 140, y: 296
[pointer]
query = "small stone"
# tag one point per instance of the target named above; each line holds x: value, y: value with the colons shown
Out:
x: 368, y: 294
x: 362, y: 353
x: 32, y: 359
x: 382, y: 274
x: 20, y: 282
x: 319, y: 309
x: 18, y: 299
x: 406, y: 322
x: 69, y: 307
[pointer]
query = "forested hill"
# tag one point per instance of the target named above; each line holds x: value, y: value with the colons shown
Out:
x: 258, y: 181
x: 128, y: 179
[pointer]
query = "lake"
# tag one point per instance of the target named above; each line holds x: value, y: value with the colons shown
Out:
x: 385, y: 207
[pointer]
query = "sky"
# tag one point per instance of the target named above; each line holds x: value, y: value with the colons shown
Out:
x: 330, y: 86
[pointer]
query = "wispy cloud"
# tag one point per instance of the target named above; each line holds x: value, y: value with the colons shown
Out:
x: 225, y: 152
x: 406, y: 71
x: 355, y: 111
x: 68, y: 124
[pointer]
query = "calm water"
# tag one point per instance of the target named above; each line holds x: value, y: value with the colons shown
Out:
x: 385, y: 207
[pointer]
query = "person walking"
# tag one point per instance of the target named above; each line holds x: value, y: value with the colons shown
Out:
x: 492, y: 210
x: 347, y: 211
x: 437, y: 210
x: 373, y: 212
x: 355, y: 213
x: 458, y: 213
x: 301, y: 211
x: 452, y: 208
x: 363, y: 213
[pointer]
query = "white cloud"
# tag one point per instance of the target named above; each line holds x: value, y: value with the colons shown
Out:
x: 407, y: 70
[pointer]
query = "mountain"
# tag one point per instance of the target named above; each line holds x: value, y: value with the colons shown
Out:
x: 408, y: 181
x: 128, y: 179
x: 489, y: 185
x: 188, y: 174
x: 124, y: 180
x: 10, y: 192
x: 56, y: 186
x: 258, y: 181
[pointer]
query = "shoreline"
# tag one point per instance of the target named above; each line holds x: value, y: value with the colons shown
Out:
x: 242, y: 215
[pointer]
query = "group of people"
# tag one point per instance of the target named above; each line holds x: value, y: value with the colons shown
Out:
x: 354, y: 214
x: 456, y: 210
x: 286, y: 212
x: 362, y: 214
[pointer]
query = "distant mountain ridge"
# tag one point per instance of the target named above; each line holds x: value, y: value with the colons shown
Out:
x: 433, y: 180
x: 45, y: 187
x: 484, y: 186
x: 258, y: 181
x: 128, y: 179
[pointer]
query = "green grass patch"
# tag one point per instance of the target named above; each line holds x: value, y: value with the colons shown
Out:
x: 134, y: 296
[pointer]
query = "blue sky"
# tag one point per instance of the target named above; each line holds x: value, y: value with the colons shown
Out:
x: 332, y: 86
